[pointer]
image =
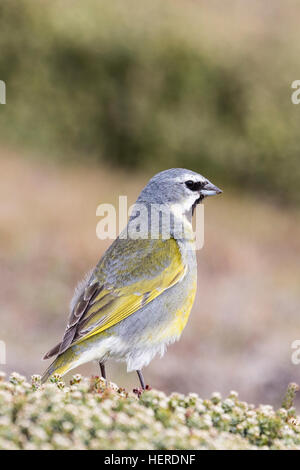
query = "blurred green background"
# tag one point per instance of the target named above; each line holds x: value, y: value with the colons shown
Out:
x: 100, y: 96
x: 198, y: 84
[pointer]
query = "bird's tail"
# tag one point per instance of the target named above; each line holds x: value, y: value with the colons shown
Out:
x: 61, y: 365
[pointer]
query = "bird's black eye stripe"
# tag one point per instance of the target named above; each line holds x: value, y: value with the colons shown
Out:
x: 194, y: 185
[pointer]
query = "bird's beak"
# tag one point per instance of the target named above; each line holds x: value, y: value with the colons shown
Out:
x: 210, y: 190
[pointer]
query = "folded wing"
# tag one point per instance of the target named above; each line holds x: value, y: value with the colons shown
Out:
x: 130, y: 275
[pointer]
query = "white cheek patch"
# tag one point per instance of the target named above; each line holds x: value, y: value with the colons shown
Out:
x: 188, y: 202
x: 180, y: 210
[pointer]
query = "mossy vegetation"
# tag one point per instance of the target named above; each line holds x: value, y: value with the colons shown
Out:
x: 87, y: 414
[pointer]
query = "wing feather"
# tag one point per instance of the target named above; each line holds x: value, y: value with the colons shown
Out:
x: 130, y: 275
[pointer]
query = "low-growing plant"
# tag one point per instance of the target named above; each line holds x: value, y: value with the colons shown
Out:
x: 90, y: 414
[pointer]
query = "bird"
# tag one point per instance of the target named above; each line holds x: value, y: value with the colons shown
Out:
x: 138, y: 298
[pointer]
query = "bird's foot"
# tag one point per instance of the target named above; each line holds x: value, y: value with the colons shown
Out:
x: 139, y: 391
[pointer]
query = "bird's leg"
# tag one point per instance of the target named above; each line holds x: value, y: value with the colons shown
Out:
x: 102, y: 368
x: 139, y: 373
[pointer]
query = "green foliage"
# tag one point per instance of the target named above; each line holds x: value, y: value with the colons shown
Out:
x: 89, y: 415
x: 134, y: 85
x: 289, y: 397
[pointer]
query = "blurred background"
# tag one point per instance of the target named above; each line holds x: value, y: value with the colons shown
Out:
x: 100, y: 96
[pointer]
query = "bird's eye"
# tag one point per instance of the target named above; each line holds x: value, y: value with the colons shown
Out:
x: 193, y: 185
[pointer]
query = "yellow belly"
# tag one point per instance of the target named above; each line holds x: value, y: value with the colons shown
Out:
x: 174, y: 327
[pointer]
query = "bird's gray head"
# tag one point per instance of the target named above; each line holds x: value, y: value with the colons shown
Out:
x: 178, y: 186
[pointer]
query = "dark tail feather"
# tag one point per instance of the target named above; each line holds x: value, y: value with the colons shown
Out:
x: 61, y: 365
x: 53, y: 352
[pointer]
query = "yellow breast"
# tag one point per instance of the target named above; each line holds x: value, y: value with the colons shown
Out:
x: 175, y: 326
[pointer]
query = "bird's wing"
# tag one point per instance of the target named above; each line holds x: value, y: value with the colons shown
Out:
x: 130, y: 275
